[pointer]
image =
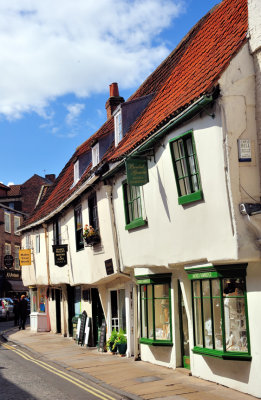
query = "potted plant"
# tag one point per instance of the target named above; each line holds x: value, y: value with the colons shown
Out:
x: 111, y: 342
x: 121, y: 342
x: 91, y: 235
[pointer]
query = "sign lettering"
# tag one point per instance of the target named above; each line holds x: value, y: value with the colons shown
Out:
x: 137, y: 171
x: 25, y: 257
x: 60, y: 254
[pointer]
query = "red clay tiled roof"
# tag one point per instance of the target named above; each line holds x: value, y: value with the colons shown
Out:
x: 15, y: 190
x: 210, y: 50
x: 190, y: 71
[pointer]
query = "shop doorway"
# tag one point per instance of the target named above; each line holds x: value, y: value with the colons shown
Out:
x: 58, y: 310
x: 184, y: 333
x: 74, y: 305
x: 97, y: 315
x: 118, y: 312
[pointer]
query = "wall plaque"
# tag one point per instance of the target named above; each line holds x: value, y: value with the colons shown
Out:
x: 109, y: 266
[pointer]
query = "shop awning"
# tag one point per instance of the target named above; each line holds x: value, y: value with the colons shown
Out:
x: 17, y: 286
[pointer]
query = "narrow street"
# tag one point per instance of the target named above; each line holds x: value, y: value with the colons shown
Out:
x: 24, y: 376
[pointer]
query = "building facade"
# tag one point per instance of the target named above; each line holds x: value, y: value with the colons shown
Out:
x: 157, y: 214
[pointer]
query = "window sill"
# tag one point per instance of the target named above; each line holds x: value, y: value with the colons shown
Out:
x: 152, y: 342
x: 135, y: 224
x: 220, y: 354
x: 190, y: 198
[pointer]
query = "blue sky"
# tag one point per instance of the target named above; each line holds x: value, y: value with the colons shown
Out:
x: 57, y: 61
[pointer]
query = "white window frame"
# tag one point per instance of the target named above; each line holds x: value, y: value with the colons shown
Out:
x: 17, y: 222
x: 8, y: 246
x: 28, y: 242
x: 76, y: 172
x: 95, y: 155
x: 7, y: 222
x: 16, y: 260
x: 118, y: 133
x: 37, y: 243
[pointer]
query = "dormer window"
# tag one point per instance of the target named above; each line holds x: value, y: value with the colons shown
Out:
x: 95, y: 155
x: 118, y: 127
x: 76, y: 172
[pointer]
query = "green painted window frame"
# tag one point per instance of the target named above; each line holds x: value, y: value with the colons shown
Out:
x: 189, y: 176
x: 130, y: 221
x: 218, y: 273
x: 154, y: 280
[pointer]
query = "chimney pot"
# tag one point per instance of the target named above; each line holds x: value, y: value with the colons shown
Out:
x: 114, y: 90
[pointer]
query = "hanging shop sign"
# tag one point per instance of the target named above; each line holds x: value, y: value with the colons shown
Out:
x: 25, y: 257
x: 137, y: 171
x: 8, y: 260
x: 60, y: 254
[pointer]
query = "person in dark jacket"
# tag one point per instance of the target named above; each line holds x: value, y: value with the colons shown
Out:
x: 16, y: 312
x: 22, y: 312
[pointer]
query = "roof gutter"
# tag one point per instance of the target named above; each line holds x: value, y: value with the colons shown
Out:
x: 192, y: 110
x: 81, y: 189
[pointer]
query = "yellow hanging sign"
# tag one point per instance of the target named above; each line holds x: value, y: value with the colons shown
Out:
x: 25, y: 257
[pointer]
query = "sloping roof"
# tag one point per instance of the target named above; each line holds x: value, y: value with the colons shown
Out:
x: 2, y: 186
x: 191, y: 70
x: 210, y: 50
x: 15, y: 190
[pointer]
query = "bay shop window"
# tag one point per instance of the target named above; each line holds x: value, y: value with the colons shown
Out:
x: 219, y: 305
x: 155, y: 310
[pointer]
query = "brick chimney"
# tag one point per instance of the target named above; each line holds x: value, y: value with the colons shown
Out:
x: 114, y: 100
x: 50, y: 177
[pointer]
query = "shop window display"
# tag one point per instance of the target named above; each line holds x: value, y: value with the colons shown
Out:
x: 220, y: 315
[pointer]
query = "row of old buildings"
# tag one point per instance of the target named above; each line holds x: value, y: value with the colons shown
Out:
x: 16, y: 204
x: 154, y: 222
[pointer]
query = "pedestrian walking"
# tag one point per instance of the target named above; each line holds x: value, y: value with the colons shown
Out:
x: 16, y: 312
x: 22, y: 312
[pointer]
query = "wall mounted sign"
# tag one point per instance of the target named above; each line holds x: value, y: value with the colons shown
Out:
x: 13, y: 275
x: 109, y: 266
x: 137, y: 171
x: 102, y: 338
x: 60, y: 254
x: 244, y: 150
x: 8, y: 260
x: 25, y: 257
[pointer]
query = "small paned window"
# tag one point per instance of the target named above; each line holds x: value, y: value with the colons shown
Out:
x: 76, y: 172
x: 7, y: 249
x: 7, y: 222
x: 93, y: 212
x: 95, y: 155
x: 37, y: 243
x: 185, y: 164
x: 220, y: 315
x: 132, y: 206
x: 78, y: 228
x: 16, y: 260
x: 56, y: 232
x: 155, y: 311
x: 118, y: 127
x: 17, y: 223
x: 28, y: 242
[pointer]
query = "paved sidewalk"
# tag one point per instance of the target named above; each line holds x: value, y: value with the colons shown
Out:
x: 139, y: 379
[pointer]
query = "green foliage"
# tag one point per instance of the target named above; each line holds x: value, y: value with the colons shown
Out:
x: 121, y: 338
x: 110, y: 342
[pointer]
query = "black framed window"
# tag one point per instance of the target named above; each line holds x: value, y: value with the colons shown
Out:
x: 78, y: 228
x: 93, y: 212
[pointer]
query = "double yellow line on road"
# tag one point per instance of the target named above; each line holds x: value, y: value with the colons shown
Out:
x: 96, y: 392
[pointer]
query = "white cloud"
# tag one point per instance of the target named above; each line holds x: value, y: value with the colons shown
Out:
x: 10, y: 183
x: 52, y: 48
x: 74, y: 111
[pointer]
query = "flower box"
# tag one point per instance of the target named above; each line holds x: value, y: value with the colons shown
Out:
x: 92, y: 240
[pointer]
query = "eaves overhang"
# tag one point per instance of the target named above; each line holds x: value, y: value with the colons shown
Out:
x: 67, y: 202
